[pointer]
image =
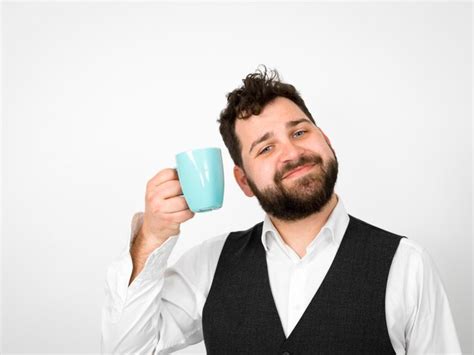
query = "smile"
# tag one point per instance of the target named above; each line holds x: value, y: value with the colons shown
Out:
x: 298, y: 171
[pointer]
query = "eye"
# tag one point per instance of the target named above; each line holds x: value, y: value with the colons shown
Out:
x: 264, y: 150
x: 300, y: 131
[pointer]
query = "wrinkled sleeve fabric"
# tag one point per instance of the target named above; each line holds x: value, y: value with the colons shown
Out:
x: 429, y: 324
x: 137, y: 318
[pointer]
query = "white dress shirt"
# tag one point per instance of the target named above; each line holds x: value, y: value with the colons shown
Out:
x: 161, y: 310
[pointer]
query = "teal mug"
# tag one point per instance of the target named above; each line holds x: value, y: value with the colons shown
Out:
x: 201, y: 176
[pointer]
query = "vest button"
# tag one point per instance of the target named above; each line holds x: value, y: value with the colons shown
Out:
x: 285, y: 353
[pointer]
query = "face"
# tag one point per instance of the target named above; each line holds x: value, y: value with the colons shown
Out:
x: 288, y: 162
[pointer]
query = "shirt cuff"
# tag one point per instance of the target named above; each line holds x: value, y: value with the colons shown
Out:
x: 156, y: 262
x: 117, y: 289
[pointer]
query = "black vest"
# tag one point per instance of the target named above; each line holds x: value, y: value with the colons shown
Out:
x: 345, y: 316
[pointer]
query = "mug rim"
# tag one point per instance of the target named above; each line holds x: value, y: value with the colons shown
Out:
x: 196, y: 149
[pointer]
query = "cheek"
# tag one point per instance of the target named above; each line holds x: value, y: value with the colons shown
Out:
x: 263, y: 173
x: 266, y: 173
x: 322, y: 149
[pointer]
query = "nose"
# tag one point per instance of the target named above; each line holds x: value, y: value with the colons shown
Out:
x: 290, y: 152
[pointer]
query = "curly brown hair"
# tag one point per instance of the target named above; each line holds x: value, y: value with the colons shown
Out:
x: 259, y: 89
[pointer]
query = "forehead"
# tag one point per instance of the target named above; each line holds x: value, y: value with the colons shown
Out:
x: 273, y: 117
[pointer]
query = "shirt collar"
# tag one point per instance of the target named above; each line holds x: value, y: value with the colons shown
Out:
x: 334, y: 228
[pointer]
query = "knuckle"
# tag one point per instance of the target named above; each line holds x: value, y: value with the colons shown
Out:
x: 157, y: 208
x: 175, y: 184
x: 187, y: 214
x: 152, y: 198
x: 184, y: 204
x: 148, y: 198
x: 168, y: 173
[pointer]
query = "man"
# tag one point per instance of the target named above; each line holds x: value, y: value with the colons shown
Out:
x: 309, y: 279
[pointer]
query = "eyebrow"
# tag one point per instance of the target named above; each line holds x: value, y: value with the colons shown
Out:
x: 269, y: 135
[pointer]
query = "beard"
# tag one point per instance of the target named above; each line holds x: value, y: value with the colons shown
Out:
x: 304, y: 195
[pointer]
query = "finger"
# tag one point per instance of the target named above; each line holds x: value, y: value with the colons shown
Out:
x: 163, y: 176
x: 182, y: 216
x: 156, y: 198
x: 174, y: 204
x: 169, y: 189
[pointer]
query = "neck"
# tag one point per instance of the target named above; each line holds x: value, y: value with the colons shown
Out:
x: 299, y: 234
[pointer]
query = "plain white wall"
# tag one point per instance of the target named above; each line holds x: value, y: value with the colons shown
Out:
x: 98, y: 97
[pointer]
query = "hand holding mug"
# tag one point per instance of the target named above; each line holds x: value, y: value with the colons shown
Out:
x: 174, y: 195
x: 165, y: 208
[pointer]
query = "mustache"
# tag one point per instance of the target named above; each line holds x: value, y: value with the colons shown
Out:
x: 303, y: 160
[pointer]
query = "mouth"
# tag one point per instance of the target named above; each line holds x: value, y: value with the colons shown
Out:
x: 298, y: 171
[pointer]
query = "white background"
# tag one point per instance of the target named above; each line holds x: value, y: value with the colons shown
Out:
x: 98, y: 97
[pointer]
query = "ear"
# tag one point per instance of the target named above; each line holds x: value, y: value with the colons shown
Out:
x: 242, y: 181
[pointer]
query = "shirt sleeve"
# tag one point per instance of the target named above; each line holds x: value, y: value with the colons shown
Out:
x: 430, y: 326
x: 136, y: 318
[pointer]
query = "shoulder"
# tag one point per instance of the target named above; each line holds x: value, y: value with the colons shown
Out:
x: 414, y: 286
x: 208, y: 250
x: 373, y: 229
x: 379, y: 239
x: 413, y: 270
x: 412, y: 248
x: 211, y: 248
x: 239, y: 234
x: 409, y: 254
x: 412, y: 256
